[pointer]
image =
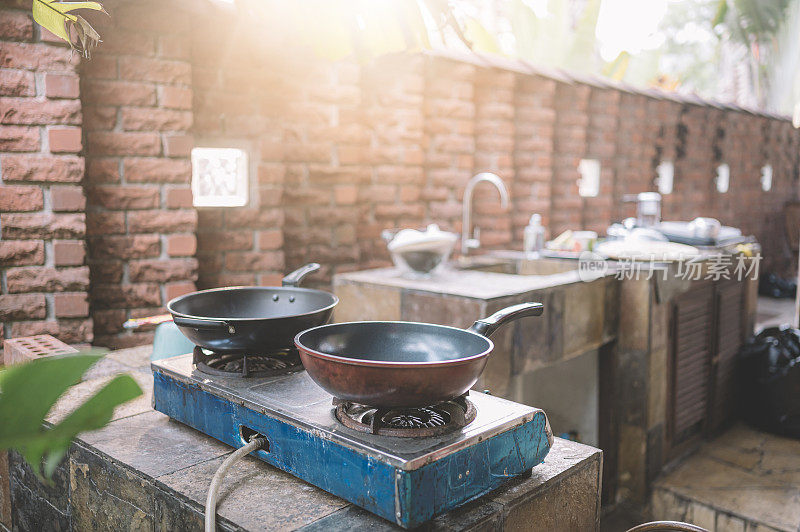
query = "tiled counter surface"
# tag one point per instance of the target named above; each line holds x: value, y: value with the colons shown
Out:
x: 146, y: 472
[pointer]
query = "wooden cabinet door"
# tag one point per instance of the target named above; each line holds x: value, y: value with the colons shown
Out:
x: 729, y: 336
x: 692, y: 344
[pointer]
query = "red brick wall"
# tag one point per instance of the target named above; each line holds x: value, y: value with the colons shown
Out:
x: 137, y: 100
x: 43, y: 276
x: 339, y: 151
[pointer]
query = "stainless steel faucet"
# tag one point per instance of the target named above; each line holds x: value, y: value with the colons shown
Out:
x: 473, y: 242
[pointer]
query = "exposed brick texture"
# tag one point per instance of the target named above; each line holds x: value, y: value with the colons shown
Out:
x: 42, y: 205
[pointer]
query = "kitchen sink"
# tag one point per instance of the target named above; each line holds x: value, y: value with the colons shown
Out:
x: 515, y: 263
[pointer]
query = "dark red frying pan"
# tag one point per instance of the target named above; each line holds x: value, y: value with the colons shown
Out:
x: 401, y: 364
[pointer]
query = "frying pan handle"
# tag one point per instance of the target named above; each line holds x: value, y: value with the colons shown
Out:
x: 487, y: 326
x: 294, y: 278
x: 197, y: 323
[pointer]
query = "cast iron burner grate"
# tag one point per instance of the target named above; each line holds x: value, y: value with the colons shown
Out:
x: 241, y: 365
x: 421, y: 422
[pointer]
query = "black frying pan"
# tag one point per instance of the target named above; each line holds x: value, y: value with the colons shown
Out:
x: 252, y: 319
x: 401, y: 364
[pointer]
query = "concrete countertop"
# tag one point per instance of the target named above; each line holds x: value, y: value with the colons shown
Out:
x: 464, y: 283
x: 146, y: 471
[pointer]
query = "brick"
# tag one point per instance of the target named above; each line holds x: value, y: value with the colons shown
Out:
x: 149, y: 119
x: 100, y: 67
x: 19, y: 138
x: 126, y: 296
x: 20, y: 329
x: 43, y: 225
x: 65, y: 140
x: 174, y: 46
x: 17, y: 83
x: 61, y: 86
x: 21, y: 198
x: 162, y: 271
x: 67, y: 198
x: 179, y: 198
x: 108, y: 321
x: 173, y: 290
x: 21, y: 252
x: 345, y: 194
x: 157, y: 70
x: 123, y: 143
x: 209, y: 242
x: 71, y: 305
x: 103, y: 171
x: 22, y: 306
x: 38, y: 279
x: 175, y: 97
x: 154, y: 170
x: 236, y: 261
x: 178, y: 145
x: 107, y: 272
x: 120, y: 93
x: 28, y: 111
x: 181, y: 245
x: 16, y: 25
x: 162, y: 221
x: 66, y: 169
x: 37, y: 56
x: 268, y: 240
x: 99, y: 118
x: 68, y: 252
x: 105, y: 223
x: 124, y: 197
x: 126, y: 247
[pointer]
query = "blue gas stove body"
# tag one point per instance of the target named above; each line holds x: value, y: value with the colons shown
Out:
x: 405, y: 480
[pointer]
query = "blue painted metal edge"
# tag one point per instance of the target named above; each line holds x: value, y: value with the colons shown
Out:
x: 408, y: 498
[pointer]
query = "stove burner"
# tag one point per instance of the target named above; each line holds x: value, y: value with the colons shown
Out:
x: 241, y: 365
x: 421, y: 422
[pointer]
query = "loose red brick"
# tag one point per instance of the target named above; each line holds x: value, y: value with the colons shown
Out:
x: 17, y: 83
x: 27, y: 111
x: 43, y: 225
x: 124, y: 197
x: 153, y: 170
x: 119, y: 143
x: 21, y: 198
x: 19, y: 138
x: 105, y: 223
x: 178, y: 145
x: 173, y: 290
x: 74, y: 305
x: 66, y: 169
x: 175, y: 97
x: 16, y: 25
x: 157, y: 70
x: 61, y: 86
x: 21, y: 252
x: 68, y: 252
x: 149, y: 119
x: 67, y: 199
x: 162, y: 221
x: 22, y: 306
x: 37, y: 56
x: 38, y: 279
x: 268, y: 240
x: 125, y: 247
x: 181, y: 245
x: 65, y: 140
x: 162, y: 271
x: 120, y: 93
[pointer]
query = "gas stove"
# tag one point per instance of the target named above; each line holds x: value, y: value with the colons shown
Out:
x: 405, y: 465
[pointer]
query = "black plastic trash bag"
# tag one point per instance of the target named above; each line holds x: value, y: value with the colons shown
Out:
x: 770, y: 380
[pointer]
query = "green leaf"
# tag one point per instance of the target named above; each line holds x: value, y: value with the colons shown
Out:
x: 29, y: 391
x: 722, y: 12
x: 617, y: 68
x: 481, y: 39
x: 57, y: 17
